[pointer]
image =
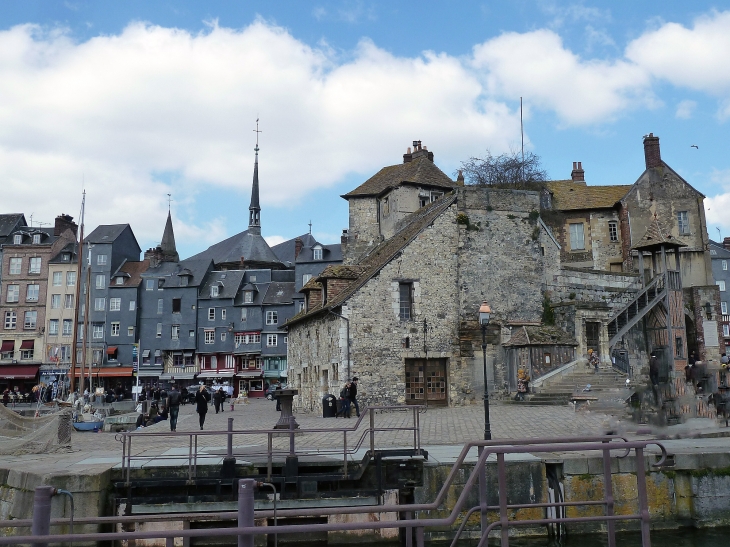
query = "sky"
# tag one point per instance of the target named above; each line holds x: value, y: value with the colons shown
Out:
x: 132, y: 101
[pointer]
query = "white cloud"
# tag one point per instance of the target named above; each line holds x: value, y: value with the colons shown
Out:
x: 717, y: 206
x: 685, y: 109
x: 275, y: 240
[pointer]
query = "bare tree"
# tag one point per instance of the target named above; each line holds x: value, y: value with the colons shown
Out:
x: 507, y: 170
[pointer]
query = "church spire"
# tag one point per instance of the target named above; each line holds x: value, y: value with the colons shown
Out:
x: 254, y: 217
x: 169, y: 251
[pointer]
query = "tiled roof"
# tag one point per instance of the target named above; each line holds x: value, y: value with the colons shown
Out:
x: 655, y: 237
x: 381, y: 255
x: 421, y: 171
x: 134, y: 270
x: 571, y: 196
x: 543, y: 335
x: 341, y: 272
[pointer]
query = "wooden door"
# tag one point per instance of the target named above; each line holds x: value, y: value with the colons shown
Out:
x: 426, y: 382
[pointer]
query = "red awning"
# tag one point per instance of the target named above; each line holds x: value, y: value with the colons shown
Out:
x: 27, y: 344
x: 19, y: 372
x: 8, y: 345
x: 105, y: 372
x: 111, y: 350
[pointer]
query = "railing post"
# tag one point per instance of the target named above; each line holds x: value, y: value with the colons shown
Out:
x: 608, y: 496
x: 415, y: 440
x: 344, y: 453
x: 482, y: 491
x: 292, y: 425
x: 42, y: 512
x: 419, y: 536
x: 372, y: 432
x: 643, y: 500
x: 269, y: 456
x: 409, y: 530
x: 502, y: 484
x: 229, y: 452
x: 245, y: 510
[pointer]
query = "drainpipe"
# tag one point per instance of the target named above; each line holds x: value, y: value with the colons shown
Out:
x: 347, y: 322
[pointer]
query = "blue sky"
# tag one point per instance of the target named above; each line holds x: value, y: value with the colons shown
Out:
x: 134, y: 100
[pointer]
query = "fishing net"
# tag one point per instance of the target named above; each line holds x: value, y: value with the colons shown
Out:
x: 20, y: 435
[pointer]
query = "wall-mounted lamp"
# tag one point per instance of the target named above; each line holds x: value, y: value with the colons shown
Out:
x: 708, y: 310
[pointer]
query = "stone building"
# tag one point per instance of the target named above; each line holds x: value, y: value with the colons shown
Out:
x: 401, y: 314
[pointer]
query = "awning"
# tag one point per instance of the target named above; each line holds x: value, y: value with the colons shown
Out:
x: 214, y: 374
x: 19, y: 372
x: 158, y: 352
x: 105, y: 372
x: 250, y: 374
x: 147, y: 371
x: 271, y: 374
x: 146, y: 353
x: 27, y: 344
x: 111, y: 350
x: 178, y: 376
x: 187, y: 353
x: 8, y: 345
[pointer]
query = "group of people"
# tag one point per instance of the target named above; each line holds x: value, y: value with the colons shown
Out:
x: 348, y: 398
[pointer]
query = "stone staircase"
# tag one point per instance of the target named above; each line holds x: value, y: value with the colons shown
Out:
x: 607, y: 383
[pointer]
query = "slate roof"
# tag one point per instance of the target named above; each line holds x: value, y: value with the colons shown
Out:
x: 381, y: 255
x: 9, y: 222
x: 543, y: 335
x: 228, y: 282
x: 106, y: 233
x: 655, y: 237
x: 252, y: 247
x: 279, y: 293
x: 169, y: 271
x: 571, y: 196
x: 70, y: 248
x: 720, y: 251
x: 420, y: 171
x: 286, y: 249
x: 133, y: 271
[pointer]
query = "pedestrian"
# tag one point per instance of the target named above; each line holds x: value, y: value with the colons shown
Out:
x: 345, y: 398
x: 184, y: 393
x: 218, y: 399
x: 173, y: 404
x: 353, y: 395
x: 201, y: 401
x: 593, y: 359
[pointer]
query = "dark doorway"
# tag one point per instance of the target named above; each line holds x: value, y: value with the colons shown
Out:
x: 426, y: 382
x: 593, y: 335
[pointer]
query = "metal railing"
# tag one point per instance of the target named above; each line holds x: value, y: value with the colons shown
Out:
x: 349, y: 448
x: 246, y: 514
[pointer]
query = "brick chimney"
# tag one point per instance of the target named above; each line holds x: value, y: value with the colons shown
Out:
x: 314, y: 299
x: 726, y: 243
x: 577, y: 174
x: 64, y: 222
x: 460, y: 178
x: 418, y: 151
x: 154, y: 255
x: 651, y: 151
x: 298, y: 246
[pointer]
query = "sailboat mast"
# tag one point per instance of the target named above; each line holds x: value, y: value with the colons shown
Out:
x: 74, y: 343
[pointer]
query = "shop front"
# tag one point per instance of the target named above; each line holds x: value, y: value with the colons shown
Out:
x: 107, y: 378
x: 252, y: 382
x: 18, y: 378
x: 215, y: 379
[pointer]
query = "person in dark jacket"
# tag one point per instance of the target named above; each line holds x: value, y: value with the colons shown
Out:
x: 173, y: 403
x: 353, y: 395
x: 345, y: 398
x: 201, y: 402
x: 218, y: 399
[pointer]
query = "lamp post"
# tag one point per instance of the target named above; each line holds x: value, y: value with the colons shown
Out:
x: 484, y: 314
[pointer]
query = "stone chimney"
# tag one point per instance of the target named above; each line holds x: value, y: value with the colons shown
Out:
x: 726, y: 243
x: 154, y: 255
x: 343, y: 242
x: 64, y: 222
x: 419, y: 151
x: 407, y: 157
x: 651, y: 151
x: 577, y: 174
x: 460, y: 178
x: 298, y: 246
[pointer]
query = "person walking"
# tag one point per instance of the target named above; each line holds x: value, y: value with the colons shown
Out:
x: 345, y: 398
x: 353, y: 395
x: 201, y: 401
x: 218, y: 399
x: 173, y: 404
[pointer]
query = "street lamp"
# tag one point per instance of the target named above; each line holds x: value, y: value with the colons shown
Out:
x: 484, y: 314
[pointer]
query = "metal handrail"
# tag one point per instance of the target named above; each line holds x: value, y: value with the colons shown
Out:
x: 498, y: 448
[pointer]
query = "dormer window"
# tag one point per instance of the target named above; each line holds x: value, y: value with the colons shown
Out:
x: 317, y: 253
x: 248, y: 297
x: 36, y: 239
x: 66, y: 257
x: 119, y: 280
x: 183, y: 280
x: 214, y: 290
x: 18, y: 239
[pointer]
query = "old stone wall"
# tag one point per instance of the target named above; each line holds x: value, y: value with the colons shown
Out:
x: 614, y: 289
x: 364, y: 230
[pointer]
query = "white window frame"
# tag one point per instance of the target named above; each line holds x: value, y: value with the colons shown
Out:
x: 223, y: 336
x: 159, y: 330
x: 132, y: 305
x: 67, y: 329
x: 32, y: 292
x: 211, y: 314
x: 53, y: 327
x: 18, y: 239
x: 175, y: 332
x: 317, y: 253
x: 115, y: 328
x: 574, y: 237
x: 723, y: 308
x: 130, y: 331
x: 55, y: 301
x: 16, y: 266
x: 31, y: 320
x: 306, y: 278
x: 726, y: 330
x: 160, y: 306
x: 272, y: 318
x: 11, y: 320
x: 214, y: 290
x: 724, y: 265
x: 223, y: 314
x: 272, y: 340
x: 100, y: 281
x: 13, y: 293
x: 115, y: 304
x: 613, y: 231
x: 34, y: 265
x: 26, y: 354
x: 101, y: 260
x: 57, y: 279
x: 248, y: 297
x: 721, y: 285
x: 244, y: 314
x: 100, y: 304
x: 683, y: 222
x: 97, y: 331
x: 36, y: 239
x: 149, y: 284
x: 70, y: 279
x: 119, y: 280
x: 209, y: 336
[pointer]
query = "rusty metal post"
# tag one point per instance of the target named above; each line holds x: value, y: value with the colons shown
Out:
x: 502, y: 482
x: 245, y: 510
x: 608, y: 496
x: 643, y: 500
x: 42, y: 512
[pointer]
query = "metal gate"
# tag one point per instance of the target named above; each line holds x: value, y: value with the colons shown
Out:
x: 426, y: 382
x: 621, y: 361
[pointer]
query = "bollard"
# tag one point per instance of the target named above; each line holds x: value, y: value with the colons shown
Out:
x: 229, y: 452
x: 292, y: 425
x: 228, y: 470
x: 42, y: 512
x: 245, y: 510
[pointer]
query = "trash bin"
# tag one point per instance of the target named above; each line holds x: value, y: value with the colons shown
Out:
x: 329, y: 406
